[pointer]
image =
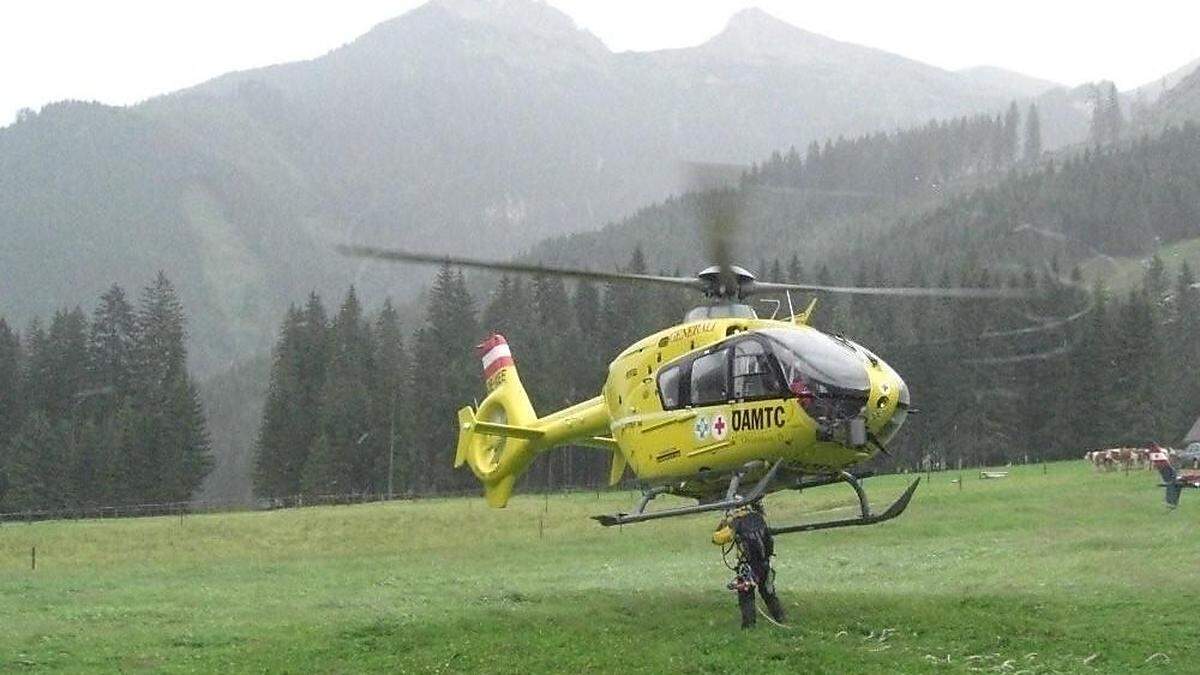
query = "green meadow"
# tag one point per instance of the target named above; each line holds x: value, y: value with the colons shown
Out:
x: 1052, y: 569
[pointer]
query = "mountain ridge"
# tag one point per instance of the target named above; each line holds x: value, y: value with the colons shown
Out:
x: 457, y: 125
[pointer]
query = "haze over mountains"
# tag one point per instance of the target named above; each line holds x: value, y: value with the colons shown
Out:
x: 461, y: 126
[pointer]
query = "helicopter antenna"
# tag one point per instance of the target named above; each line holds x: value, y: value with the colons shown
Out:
x: 776, y: 305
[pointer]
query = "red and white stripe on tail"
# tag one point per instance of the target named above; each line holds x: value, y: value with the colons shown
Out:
x: 495, y: 354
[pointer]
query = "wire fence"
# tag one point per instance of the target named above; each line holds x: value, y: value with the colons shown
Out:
x: 201, y: 506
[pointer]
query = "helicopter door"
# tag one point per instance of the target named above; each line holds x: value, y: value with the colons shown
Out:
x: 755, y: 375
x: 762, y: 408
x: 709, y: 393
x: 690, y: 391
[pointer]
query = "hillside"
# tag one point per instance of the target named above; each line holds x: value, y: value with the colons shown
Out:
x: 1179, y: 104
x: 447, y: 585
x: 1122, y: 274
x: 1000, y: 78
x: 1122, y: 202
x: 460, y: 122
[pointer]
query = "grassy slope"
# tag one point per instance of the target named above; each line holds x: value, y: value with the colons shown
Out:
x: 1123, y: 274
x: 1038, y: 572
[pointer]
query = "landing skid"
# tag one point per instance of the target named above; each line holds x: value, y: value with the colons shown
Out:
x: 865, y: 516
x: 733, y: 500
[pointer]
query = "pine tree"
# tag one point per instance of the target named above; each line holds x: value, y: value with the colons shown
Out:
x: 169, y: 446
x: 552, y: 313
x: 312, y: 356
x: 446, y: 373
x: 795, y: 270
x: 1107, y: 118
x: 11, y: 407
x: 278, y: 461
x: 1185, y: 349
x: 1033, y: 135
x: 625, y: 309
x: 345, y: 452
x: 110, y: 350
x: 590, y: 363
x: 548, y: 387
x: 36, y: 457
x: 388, y: 403
x: 1012, y: 126
x: 62, y: 361
x: 510, y: 312
x: 1116, y: 118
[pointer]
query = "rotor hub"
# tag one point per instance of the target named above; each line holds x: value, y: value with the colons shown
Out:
x: 732, y: 285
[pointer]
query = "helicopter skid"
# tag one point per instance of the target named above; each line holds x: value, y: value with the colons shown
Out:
x: 732, y: 500
x: 865, y: 516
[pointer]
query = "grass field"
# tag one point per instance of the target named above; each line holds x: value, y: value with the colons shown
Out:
x: 1064, y: 571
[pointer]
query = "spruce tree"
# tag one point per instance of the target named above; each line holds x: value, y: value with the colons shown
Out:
x: 278, y: 463
x: 168, y: 449
x: 110, y: 349
x: 312, y: 356
x: 11, y: 405
x: 1116, y: 118
x: 1012, y: 128
x: 1184, y: 391
x: 344, y: 455
x: 1033, y: 135
x: 625, y: 310
x: 62, y: 362
x: 389, y: 403
x: 34, y: 468
x: 445, y: 373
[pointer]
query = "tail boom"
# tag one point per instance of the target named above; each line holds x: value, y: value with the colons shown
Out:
x: 501, y: 439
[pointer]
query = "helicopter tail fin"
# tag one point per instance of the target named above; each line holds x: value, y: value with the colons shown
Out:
x: 498, y: 441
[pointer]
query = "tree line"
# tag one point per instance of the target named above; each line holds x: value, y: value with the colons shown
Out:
x: 907, y: 162
x: 101, y: 411
x: 341, y: 386
x: 347, y: 392
x: 1116, y: 200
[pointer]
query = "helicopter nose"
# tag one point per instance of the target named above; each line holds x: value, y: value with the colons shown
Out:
x: 889, y: 404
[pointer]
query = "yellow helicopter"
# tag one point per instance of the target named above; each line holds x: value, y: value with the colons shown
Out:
x: 724, y: 408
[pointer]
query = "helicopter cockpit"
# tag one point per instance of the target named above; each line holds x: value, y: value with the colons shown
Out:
x: 827, y: 375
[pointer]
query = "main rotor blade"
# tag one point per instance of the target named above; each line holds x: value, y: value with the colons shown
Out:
x: 720, y: 203
x: 397, y: 255
x: 902, y: 291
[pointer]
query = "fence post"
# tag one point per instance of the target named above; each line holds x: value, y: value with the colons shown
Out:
x: 33, y: 558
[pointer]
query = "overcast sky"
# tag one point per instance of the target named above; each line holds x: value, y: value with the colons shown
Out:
x: 123, y: 51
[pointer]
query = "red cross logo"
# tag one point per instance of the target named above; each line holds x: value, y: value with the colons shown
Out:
x: 719, y: 427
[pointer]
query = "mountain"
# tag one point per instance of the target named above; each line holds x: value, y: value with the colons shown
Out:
x: 927, y: 201
x: 1003, y: 79
x: 1151, y: 91
x: 476, y: 126
x: 1179, y: 104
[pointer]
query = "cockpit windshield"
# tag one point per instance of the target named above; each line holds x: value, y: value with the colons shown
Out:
x: 819, y: 358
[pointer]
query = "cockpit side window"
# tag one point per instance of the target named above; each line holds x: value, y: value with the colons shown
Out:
x: 754, y: 374
x: 709, y: 383
x: 668, y: 387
